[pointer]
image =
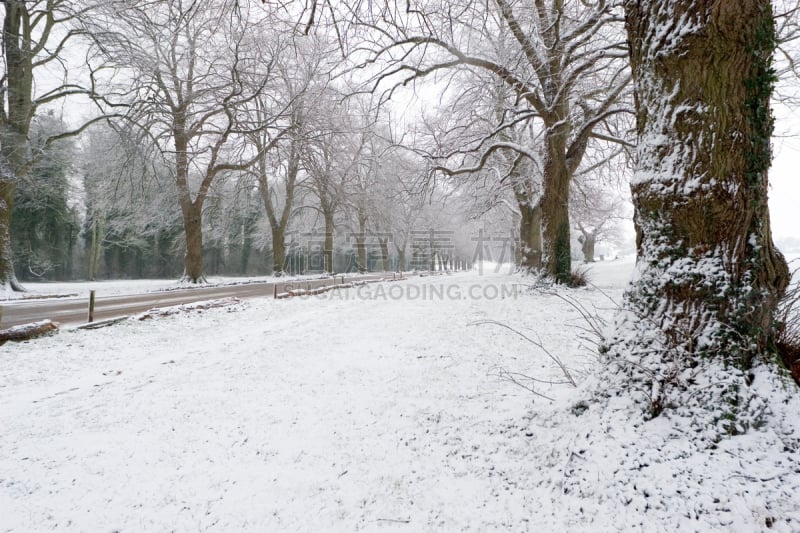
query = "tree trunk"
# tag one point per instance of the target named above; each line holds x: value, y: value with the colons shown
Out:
x: 246, y: 244
x: 25, y: 332
x: 193, y: 259
x: 15, y: 124
x: 588, y: 240
x: 95, y: 247
x: 709, y: 275
x: 383, y: 242
x: 278, y: 250
x: 401, y: 258
x: 361, y: 243
x: 278, y: 224
x: 530, y: 236
x: 555, y: 209
x: 7, y: 277
x: 327, y: 253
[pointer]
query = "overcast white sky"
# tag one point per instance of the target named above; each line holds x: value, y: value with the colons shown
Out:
x: 785, y: 190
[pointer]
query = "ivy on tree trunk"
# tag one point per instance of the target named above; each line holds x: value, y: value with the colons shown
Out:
x: 709, y: 276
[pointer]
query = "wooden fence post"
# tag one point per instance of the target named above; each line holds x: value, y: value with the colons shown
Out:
x: 91, y: 306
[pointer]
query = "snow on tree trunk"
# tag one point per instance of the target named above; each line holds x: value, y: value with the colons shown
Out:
x: 587, y: 241
x: 708, y: 276
x: 8, y: 279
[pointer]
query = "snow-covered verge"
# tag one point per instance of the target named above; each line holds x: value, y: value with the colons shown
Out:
x: 377, y: 408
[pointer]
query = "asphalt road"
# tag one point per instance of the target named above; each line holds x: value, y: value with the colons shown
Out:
x: 74, y: 311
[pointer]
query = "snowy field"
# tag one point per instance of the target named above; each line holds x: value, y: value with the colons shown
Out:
x: 379, y: 408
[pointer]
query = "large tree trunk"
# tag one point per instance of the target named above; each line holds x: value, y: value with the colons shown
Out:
x: 555, y: 209
x: 709, y: 275
x: 278, y: 250
x: 16, y: 120
x: 530, y: 236
x: 193, y: 259
x: 278, y: 224
x: 7, y: 277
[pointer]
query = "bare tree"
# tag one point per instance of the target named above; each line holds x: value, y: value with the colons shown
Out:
x: 599, y: 201
x: 331, y: 159
x: 278, y: 193
x: 483, y: 147
x: 563, y: 60
x: 192, y: 75
x: 304, y: 75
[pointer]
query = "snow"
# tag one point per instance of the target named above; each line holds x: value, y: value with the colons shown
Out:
x: 380, y: 407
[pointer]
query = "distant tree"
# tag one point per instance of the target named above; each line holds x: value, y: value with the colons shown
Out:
x: 44, y: 226
x: 562, y: 61
x: 193, y: 72
x: 598, y: 206
x: 304, y: 73
x: 331, y: 159
x: 33, y: 76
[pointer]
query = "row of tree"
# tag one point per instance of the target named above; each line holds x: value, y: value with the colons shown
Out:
x: 212, y: 109
x: 283, y: 101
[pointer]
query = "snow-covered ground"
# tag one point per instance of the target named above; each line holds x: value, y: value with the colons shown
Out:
x: 383, y: 407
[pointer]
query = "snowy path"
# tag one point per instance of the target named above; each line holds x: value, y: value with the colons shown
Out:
x: 343, y: 414
x: 373, y: 409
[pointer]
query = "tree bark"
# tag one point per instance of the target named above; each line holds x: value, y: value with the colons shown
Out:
x: 7, y: 277
x: 530, y: 234
x: 278, y: 250
x: 26, y: 332
x: 554, y: 203
x: 709, y: 274
x: 15, y: 125
x: 361, y: 240
x: 193, y: 259
x: 327, y: 253
x: 95, y: 247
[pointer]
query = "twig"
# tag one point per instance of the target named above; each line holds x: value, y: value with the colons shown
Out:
x: 538, y: 344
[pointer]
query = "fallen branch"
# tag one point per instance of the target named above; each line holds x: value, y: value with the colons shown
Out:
x: 158, y: 312
x: 25, y: 332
